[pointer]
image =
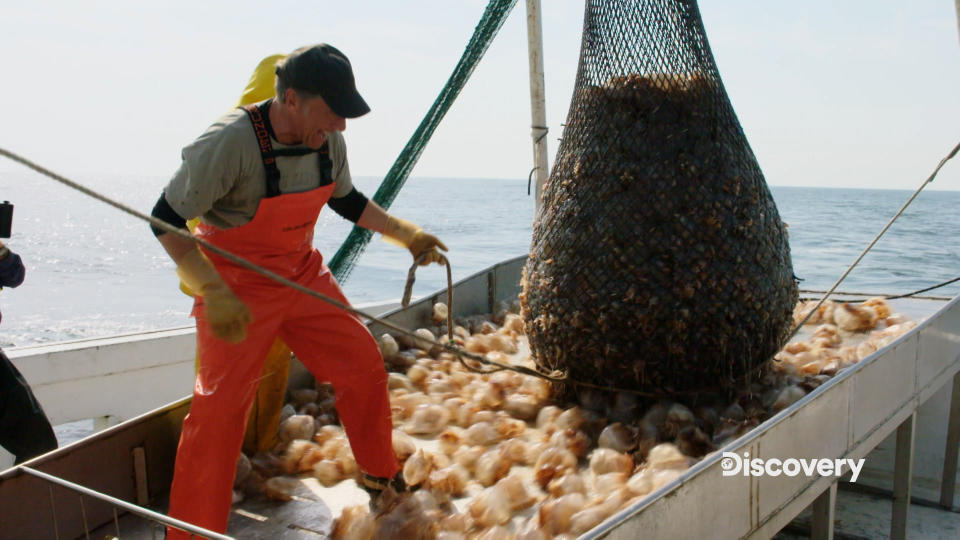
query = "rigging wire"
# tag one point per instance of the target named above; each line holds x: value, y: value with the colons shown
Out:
x: 555, y: 376
x: 183, y: 233
x: 937, y: 286
x: 903, y: 208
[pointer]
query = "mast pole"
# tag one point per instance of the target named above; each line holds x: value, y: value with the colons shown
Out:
x: 957, y: 4
x: 538, y: 112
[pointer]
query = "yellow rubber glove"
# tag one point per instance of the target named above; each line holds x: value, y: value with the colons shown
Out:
x: 228, y: 315
x: 412, y: 237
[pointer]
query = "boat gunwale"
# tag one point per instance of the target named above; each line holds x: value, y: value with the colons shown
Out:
x: 619, y: 518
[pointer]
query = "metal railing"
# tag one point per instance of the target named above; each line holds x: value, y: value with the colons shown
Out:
x: 118, y: 503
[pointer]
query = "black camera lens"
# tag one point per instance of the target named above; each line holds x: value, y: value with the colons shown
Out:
x: 6, y: 219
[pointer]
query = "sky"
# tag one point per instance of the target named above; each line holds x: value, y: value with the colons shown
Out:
x: 841, y: 94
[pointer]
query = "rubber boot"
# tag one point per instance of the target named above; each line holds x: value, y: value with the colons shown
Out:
x: 376, y: 486
x: 264, y: 422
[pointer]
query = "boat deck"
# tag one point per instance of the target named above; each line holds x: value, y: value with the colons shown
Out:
x: 859, y: 516
x: 858, y: 413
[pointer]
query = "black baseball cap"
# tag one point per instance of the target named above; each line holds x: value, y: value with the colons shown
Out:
x: 323, y: 70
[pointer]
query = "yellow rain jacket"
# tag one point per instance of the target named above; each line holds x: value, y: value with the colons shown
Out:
x: 264, y: 421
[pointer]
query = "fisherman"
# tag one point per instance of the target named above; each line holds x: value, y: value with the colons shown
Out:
x: 264, y: 418
x: 24, y: 429
x: 258, y: 178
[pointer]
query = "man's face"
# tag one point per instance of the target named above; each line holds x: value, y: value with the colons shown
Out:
x: 316, y: 120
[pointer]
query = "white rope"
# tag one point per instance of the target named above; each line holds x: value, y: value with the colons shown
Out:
x: 183, y: 233
x: 876, y: 238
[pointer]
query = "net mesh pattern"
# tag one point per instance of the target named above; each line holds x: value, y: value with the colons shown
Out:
x: 490, y: 23
x: 659, y: 261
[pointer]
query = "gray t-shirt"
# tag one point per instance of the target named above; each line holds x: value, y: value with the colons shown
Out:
x: 222, y: 178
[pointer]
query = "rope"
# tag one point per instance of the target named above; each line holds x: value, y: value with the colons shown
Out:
x: 411, y: 277
x: 877, y: 238
x: 937, y: 286
x: 183, y: 233
x: 804, y: 292
x: 530, y: 178
x: 405, y: 301
x: 543, y: 134
x: 555, y: 376
x: 408, y: 291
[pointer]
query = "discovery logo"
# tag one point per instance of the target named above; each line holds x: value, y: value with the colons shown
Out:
x: 732, y: 464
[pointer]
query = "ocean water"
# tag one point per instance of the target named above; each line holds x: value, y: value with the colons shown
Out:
x: 94, y: 271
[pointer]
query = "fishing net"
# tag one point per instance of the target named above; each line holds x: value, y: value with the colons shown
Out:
x: 490, y: 23
x: 659, y: 262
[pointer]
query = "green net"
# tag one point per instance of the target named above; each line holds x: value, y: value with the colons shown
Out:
x: 493, y: 18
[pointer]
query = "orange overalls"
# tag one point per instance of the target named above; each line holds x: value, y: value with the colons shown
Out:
x: 333, y: 344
